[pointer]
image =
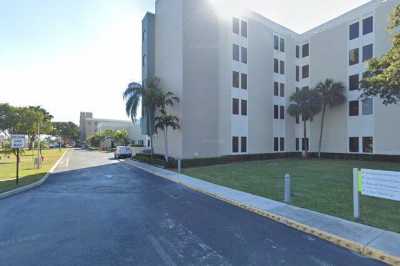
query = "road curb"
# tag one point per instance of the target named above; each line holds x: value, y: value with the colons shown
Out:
x: 33, y: 185
x: 337, y: 240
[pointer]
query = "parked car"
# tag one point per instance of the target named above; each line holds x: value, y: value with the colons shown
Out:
x: 122, y: 152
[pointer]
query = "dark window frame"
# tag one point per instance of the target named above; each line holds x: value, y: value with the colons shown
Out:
x: 235, y: 79
x: 243, y: 144
x: 354, y: 31
x: 367, y: 52
x: 243, y: 81
x: 282, y: 144
x: 354, y: 144
x: 276, y: 66
x: 243, y: 56
x: 276, y: 112
x: 243, y: 107
x: 354, y: 82
x: 368, y: 144
x: 235, y: 144
x: 354, y: 56
x: 354, y: 108
x: 306, y: 50
x: 282, y: 112
x: 368, y: 28
x: 276, y: 88
x: 244, y: 29
x: 235, y: 25
x: 276, y: 144
x: 282, y: 67
x: 282, y: 90
x: 305, y: 71
x: 236, y: 52
x: 235, y: 106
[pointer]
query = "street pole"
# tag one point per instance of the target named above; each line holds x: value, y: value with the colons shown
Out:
x: 39, y: 159
x: 17, y: 180
x: 356, y: 195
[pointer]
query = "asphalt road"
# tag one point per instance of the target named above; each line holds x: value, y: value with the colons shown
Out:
x: 96, y: 211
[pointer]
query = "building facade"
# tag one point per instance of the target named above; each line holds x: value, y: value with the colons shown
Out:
x: 235, y: 73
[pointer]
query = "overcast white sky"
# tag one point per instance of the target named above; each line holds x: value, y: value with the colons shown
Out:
x: 79, y: 55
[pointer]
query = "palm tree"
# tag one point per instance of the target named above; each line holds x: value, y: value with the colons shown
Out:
x: 332, y: 94
x: 163, y: 122
x: 149, y: 96
x: 306, y: 103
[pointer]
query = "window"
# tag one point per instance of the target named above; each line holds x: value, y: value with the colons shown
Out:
x: 235, y: 25
x: 244, y: 81
x: 276, y: 112
x: 276, y: 89
x: 368, y: 52
x: 297, y: 119
x: 368, y: 25
x: 276, y: 66
x: 282, y: 112
x: 276, y: 144
x: 235, y: 79
x: 354, y: 81
x: 282, y: 144
x: 305, y: 144
x: 235, y: 106
x: 354, y: 144
x: 276, y: 42
x: 368, y: 144
x: 235, y: 144
x: 282, y: 90
x: 297, y: 144
x: 244, y: 29
x: 244, y: 107
x: 282, y: 45
x: 353, y: 108
x: 297, y: 51
x: 354, y: 31
x: 282, y: 65
x: 306, y: 50
x: 297, y: 73
x: 367, y: 106
x: 244, y: 55
x: 236, y: 52
x: 354, y: 57
x: 306, y: 71
x: 243, y: 144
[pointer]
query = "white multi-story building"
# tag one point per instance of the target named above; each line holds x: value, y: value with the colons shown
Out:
x: 234, y: 75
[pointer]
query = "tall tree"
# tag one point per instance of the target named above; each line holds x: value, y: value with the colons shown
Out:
x: 8, y: 117
x: 68, y: 131
x: 332, y: 94
x: 163, y: 122
x: 383, y: 76
x: 305, y: 103
x: 121, y: 137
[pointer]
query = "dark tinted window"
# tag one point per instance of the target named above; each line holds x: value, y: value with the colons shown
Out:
x: 235, y: 25
x: 282, y: 65
x: 354, y: 31
x: 305, y: 144
x: 282, y: 144
x: 297, y: 144
x: 368, y: 52
x: 243, y: 144
x: 244, y: 81
x: 297, y: 51
x: 276, y: 42
x: 244, y: 29
x: 244, y: 107
x: 367, y: 106
x: 276, y: 144
x: 306, y: 50
x: 235, y: 79
x: 244, y: 55
x: 354, y: 144
x: 235, y: 106
x: 306, y: 71
x: 276, y: 66
x: 354, y: 82
x: 282, y: 90
x: 354, y: 57
x: 297, y: 73
x: 235, y: 144
x: 276, y: 112
x: 368, y: 25
x: 368, y: 144
x: 282, y: 45
x: 353, y: 108
x: 236, y: 52
x: 276, y: 89
x: 282, y: 112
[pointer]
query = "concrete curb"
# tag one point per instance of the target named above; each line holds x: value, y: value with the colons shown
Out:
x: 33, y: 185
x: 332, y: 238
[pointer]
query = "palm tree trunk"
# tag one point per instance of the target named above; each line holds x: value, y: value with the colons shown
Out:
x: 166, y: 144
x: 322, y: 131
x: 305, y: 140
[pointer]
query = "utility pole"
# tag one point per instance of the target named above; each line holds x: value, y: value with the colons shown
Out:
x: 39, y: 159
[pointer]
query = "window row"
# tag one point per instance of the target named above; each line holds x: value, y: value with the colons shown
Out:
x: 239, y: 107
x: 239, y: 80
x: 279, y: 43
x: 279, y: 144
x: 367, y: 53
x: 279, y: 89
x: 239, y: 27
x: 305, y: 50
x: 305, y: 72
x: 367, y: 27
x: 279, y: 112
x: 304, y: 144
x: 279, y: 67
x: 354, y: 81
x: 367, y: 144
x: 367, y: 107
x: 239, y: 54
x: 236, y: 144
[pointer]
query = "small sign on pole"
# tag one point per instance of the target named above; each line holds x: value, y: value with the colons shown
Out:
x: 17, y: 142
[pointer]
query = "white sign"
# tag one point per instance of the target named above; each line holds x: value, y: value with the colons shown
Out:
x: 17, y: 141
x: 381, y: 184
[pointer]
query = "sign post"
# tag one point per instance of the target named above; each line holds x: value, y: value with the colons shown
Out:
x: 356, y: 195
x: 17, y: 142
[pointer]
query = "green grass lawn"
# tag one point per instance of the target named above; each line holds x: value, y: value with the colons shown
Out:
x: 320, y: 185
x: 28, y: 173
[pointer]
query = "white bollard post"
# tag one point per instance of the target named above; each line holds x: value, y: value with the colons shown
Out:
x: 287, y: 189
x: 356, y: 195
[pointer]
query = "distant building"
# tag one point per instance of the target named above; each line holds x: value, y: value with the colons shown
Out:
x: 89, y: 126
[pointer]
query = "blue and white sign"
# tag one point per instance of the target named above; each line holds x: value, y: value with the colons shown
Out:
x: 381, y: 184
x: 17, y: 141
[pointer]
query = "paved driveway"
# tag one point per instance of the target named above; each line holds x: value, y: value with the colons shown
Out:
x: 96, y: 211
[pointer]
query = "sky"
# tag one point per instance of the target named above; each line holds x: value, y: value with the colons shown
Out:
x: 79, y: 55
